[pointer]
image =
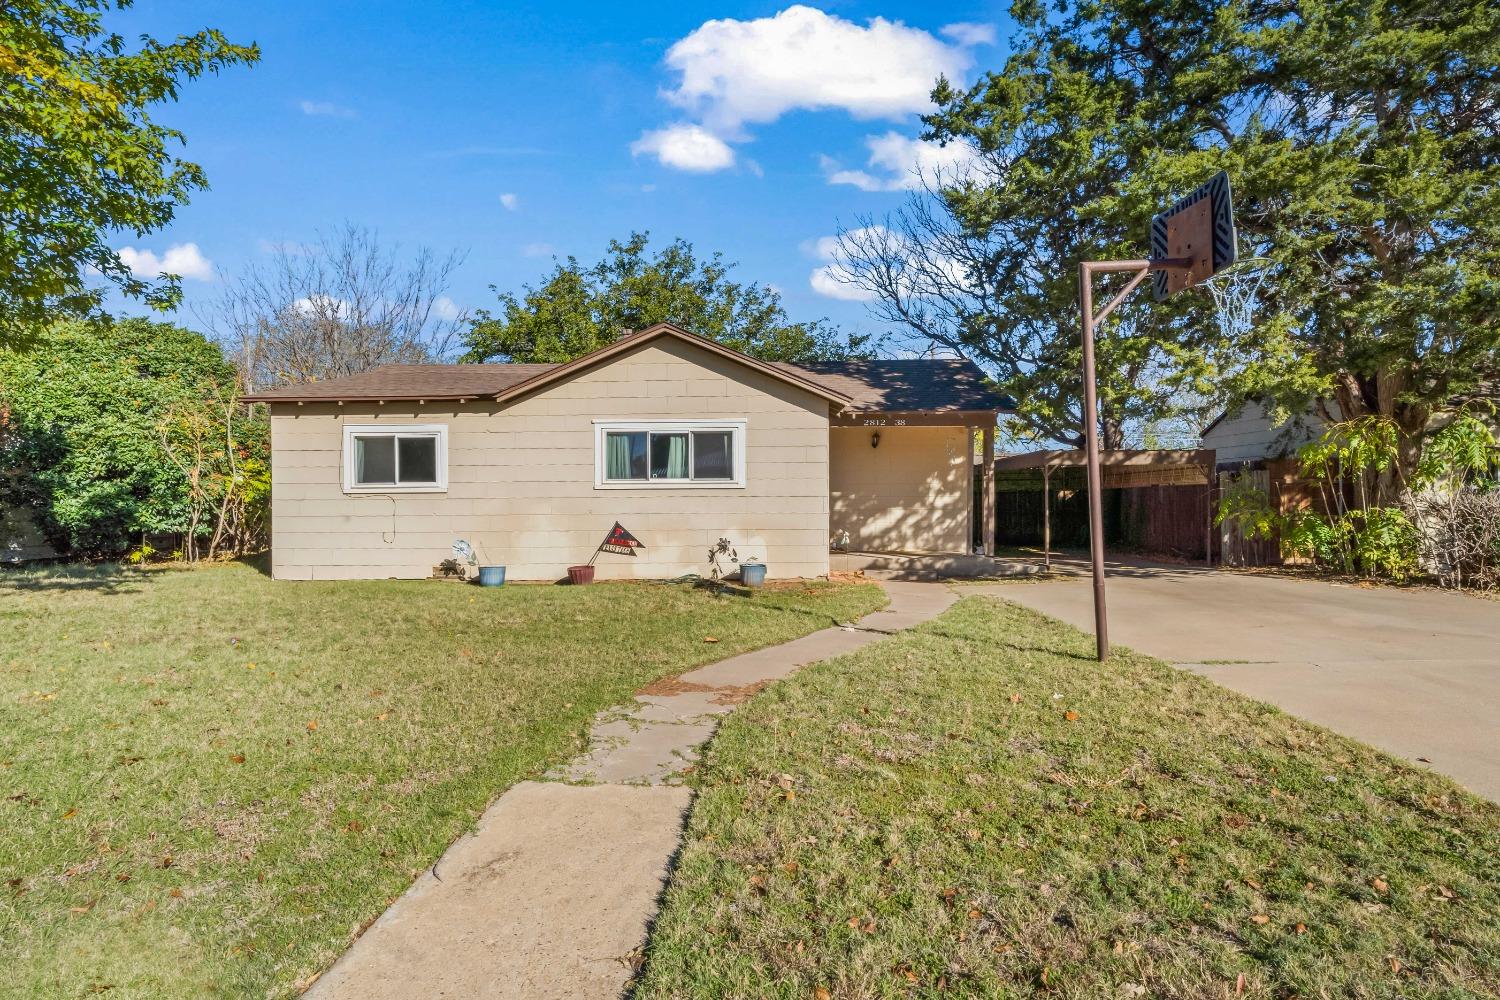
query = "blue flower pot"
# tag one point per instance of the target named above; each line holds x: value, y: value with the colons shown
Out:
x: 491, y: 576
x: 753, y: 574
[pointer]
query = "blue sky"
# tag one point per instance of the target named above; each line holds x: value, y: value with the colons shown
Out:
x: 518, y: 131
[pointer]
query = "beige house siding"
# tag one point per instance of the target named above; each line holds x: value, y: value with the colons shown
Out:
x: 521, y: 479
x: 911, y: 494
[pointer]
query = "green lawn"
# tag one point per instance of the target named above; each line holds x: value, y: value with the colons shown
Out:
x: 978, y: 809
x: 209, y: 781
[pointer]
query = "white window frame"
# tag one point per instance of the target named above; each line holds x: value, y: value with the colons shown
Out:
x: 736, y: 425
x: 440, y: 431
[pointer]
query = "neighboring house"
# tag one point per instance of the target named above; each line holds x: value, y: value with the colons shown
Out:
x: 1250, y: 436
x: 680, y: 439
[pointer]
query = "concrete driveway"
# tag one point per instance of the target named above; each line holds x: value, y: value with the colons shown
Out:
x: 1414, y: 672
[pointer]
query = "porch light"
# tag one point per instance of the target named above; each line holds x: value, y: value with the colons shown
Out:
x: 875, y: 440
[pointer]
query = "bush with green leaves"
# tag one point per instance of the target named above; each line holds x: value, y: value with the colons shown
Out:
x: 114, y: 433
x: 1370, y: 521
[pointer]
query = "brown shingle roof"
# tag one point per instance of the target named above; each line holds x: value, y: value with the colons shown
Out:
x: 907, y: 385
x: 400, y: 382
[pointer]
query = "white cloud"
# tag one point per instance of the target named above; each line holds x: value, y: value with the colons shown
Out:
x: 830, y: 280
x: 445, y: 308
x: 735, y: 72
x: 969, y: 33
x: 834, y: 279
x: 510, y: 201
x: 686, y: 147
x: 321, y: 306
x: 538, y: 250
x: 182, y: 259
x: 898, y: 163
x: 325, y: 109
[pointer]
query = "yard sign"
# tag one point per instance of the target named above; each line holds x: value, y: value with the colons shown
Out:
x: 620, y: 541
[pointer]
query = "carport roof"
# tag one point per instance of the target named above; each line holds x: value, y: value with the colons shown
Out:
x: 1076, y: 458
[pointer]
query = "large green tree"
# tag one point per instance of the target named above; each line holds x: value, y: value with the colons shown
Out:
x: 578, y: 309
x: 111, y: 432
x: 1363, y: 139
x: 81, y: 158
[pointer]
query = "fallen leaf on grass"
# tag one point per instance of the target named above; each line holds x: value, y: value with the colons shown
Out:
x: 382, y: 716
x: 820, y: 993
x: 1070, y: 715
x: 236, y: 758
x: 1380, y: 885
x: 175, y: 894
x: 354, y: 826
x: 86, y: 907
x: 1261, y: 918
x: 1395, y: 963
x: 1301, y: 928
x: 312, y: 726
x: 1015, y: 699
x: 709, y: 638
x: 69, y: 814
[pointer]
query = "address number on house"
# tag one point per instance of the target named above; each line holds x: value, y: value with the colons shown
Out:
x: 883, y: 423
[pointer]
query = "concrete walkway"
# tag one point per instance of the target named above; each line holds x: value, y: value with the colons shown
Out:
x: 1414, y: 672
x: 553, y: 894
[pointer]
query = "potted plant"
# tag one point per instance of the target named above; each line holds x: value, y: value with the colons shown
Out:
x: 752, y: 571
x: 579, y: 575
x: 487, y: 575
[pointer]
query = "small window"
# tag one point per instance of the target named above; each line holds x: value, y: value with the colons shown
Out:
x: 671, y: 453
x: 395, y: 458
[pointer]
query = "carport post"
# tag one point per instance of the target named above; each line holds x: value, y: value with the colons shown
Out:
x: 1047, y: 516
x: 987, y: 475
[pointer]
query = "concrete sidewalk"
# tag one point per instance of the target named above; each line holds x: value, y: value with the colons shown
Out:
x: 553, y: 894
x: 1414, y: 672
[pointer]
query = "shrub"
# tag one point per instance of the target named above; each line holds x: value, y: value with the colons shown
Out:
x: 1442, y: 522
x: 119, y: 431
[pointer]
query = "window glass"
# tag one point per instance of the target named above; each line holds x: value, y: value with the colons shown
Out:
x: 417, y: 459
x: 669, y: 455
x: 374, y: 460
x: 713, y: 455
x: 625, y: 455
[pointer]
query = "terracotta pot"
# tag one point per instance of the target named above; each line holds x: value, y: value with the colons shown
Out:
x: 580, y: 574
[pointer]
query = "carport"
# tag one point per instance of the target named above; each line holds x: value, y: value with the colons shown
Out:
x: 1124, y: 469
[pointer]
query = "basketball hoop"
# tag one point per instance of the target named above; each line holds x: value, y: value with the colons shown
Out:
x: 1237, y: 294
x: 1192, y: 242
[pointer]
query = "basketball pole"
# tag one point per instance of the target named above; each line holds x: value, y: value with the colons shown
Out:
x: 1086, y: 271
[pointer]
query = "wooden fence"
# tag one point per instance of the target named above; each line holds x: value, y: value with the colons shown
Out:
x: 1163, y: 519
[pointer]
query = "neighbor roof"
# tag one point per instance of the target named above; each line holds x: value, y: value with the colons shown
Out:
x: 908, y: 385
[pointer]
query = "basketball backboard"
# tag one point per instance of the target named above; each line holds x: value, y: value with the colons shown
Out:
x: 1198, y: 227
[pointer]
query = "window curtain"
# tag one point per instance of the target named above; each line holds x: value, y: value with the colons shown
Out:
x: 677, y: 456
x: 617, y: 456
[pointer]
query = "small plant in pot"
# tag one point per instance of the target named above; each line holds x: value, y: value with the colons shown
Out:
x: 486, y: 574
x: 752, y: 571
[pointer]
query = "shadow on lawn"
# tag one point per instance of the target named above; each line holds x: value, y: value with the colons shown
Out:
x: 106, y: 578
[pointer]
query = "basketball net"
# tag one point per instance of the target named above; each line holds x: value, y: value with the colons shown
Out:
x: 1237, y: 294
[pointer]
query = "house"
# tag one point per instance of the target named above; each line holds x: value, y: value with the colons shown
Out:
x: 1249, y: 435
x: 678, y: 438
